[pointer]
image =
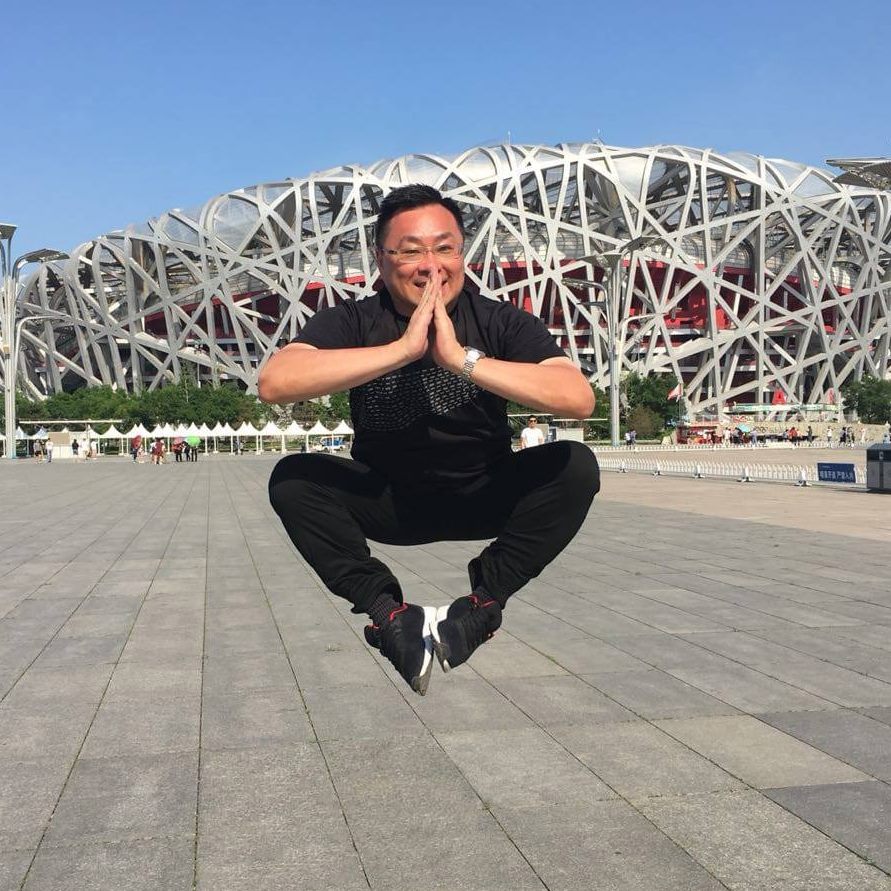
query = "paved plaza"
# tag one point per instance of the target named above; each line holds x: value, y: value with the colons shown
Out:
x: 696, y: 695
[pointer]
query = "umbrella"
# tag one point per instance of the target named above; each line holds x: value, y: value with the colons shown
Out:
x: 744, y: 428
x: 137, y: 441
x: 177, y: 440
x: 193, y: 441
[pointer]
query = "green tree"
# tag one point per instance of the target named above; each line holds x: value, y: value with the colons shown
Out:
x: 651, y: 392
x: 870, y: 397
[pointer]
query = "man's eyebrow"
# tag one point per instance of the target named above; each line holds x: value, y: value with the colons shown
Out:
x: 418, y: 238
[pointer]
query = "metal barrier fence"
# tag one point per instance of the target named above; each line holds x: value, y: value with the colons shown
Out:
x: 711, y: 447
x: 744, y: 473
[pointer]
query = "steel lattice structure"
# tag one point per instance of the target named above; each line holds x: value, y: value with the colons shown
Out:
x: 766, y: 278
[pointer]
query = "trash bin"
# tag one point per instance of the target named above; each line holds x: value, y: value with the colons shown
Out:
x: 878, y: 468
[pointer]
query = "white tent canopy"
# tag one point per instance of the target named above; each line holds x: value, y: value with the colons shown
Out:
x: 192, y: 430
x: 294, y: 429
x: 137, y: 430
x: 111, y: 433
x: 157, y: 430
x: 318, y: 429
x: 226, y: 430
x: 270, y: 429
x: 247, y: 429
x: 342, y: 429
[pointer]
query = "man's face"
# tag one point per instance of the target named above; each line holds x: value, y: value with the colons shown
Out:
x: 425, y: 229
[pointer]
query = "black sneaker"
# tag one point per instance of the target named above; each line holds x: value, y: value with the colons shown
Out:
x: 404, y: 638
x: 458, y: 629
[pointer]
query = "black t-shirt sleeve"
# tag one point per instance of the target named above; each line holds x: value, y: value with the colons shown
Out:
x: 523, y: 337
x: 331, y: 329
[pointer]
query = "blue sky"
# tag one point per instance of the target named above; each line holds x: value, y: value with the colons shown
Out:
x: 121, y: 111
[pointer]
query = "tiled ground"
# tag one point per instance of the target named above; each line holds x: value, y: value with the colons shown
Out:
x: 685, y: 700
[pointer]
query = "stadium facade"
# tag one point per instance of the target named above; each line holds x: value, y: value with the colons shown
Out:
x: 758, y: 282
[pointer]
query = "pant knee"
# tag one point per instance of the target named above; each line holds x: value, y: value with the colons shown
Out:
x: 582, y: 474
x: 288, y: 477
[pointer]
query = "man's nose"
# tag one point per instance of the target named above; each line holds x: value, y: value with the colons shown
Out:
x: 430, y: 263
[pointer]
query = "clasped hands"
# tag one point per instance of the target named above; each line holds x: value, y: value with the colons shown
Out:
x: 430, y: 328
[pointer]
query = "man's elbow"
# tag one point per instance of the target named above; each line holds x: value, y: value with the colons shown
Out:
x: 268, y: 389
x: 580, y: 404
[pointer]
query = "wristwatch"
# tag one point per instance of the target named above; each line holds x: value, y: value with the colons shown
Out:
x: 471, y: 356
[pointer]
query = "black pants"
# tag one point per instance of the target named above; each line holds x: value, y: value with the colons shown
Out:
x: 532, y: 504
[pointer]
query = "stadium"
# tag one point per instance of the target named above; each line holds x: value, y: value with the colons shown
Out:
x: 761, y: 284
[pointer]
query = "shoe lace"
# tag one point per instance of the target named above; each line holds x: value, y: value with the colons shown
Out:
x: 476, y: 622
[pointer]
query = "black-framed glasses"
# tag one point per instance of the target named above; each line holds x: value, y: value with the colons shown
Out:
x: 408, y: 256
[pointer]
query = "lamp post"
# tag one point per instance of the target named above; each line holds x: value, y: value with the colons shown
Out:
x: 10, y: 326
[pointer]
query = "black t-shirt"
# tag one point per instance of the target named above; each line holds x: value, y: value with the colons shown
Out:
x: 421, y: 424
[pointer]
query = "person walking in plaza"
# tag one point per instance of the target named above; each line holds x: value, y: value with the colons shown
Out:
x: 49, y: 450
x: 430, y: 367
x: 157, y: 451
x: 531, y: 435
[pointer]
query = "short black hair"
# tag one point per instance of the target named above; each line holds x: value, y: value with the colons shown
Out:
x: 408, y: 198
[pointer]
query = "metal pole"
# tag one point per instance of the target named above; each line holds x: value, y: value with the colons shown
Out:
x: 10, y: 351
x: 611, y: 319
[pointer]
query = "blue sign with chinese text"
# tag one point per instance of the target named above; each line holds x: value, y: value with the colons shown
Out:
x: 835, y: 473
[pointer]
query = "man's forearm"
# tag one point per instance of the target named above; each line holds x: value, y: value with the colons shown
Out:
x: 559, y: 388
x: 296, y: 373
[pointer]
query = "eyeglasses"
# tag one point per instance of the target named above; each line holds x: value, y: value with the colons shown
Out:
x: 408, y: 256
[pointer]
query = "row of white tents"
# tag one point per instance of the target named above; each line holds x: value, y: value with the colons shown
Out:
x: 211, y: 435
x: 246, y: 431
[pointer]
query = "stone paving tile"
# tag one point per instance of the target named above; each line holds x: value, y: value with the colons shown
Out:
x: 37, y: 728
x: 521, y: 768
x: 355, y: 712
x: 137, y: 865
x: 638, y: 760
x: 837, y: 684
x: 851, y: 737
x: 601, y: 846
x: 747, y: 841
x: 271, y: 716
x: 655, y: 694
x: 127, y: 798
x: 882, y: 714
x: 268, y: 819
x: 758, y: 753
x: 856, y: 814
x: 144, y: 728
x: 13, y: 866
x: 28, y: 793
x: 405, y: 780
x: 505, y: 656
x: 744, y: 688
x: 561, y: 700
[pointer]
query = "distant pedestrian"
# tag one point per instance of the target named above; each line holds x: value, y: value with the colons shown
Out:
x: 49, y: 451
x: 178, y: 451
x: 193, y: 455
x: 810, y: 434
x: 532, y: 435
x: 75, y: 446
x: 830, y: 433
x: 157, y: 451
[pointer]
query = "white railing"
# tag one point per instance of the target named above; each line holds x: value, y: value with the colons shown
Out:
x: 744, y: 473
x: 710, y: 447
